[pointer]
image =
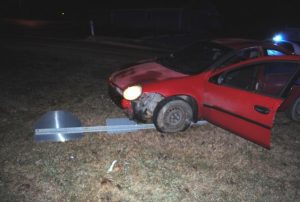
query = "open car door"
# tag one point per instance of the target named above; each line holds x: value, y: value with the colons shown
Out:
x: 245, y: 99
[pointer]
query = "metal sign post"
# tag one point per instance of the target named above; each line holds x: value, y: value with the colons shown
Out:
x: 61, y: 126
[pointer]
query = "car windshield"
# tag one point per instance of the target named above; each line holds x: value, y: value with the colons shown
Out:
x: 195, y: 58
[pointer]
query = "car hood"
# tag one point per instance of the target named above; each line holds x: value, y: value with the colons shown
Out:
x: 143, y: 73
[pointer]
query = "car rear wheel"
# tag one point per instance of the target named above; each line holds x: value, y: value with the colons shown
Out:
x: 172, y: 115
x: 294, y: 111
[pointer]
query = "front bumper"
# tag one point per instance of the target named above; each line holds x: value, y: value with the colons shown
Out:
x: 141, y: 109
x: 116, y: 96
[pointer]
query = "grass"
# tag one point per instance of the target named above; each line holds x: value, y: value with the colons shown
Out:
x: 204, y: 163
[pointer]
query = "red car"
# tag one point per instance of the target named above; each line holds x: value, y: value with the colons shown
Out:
x: 228, y: 83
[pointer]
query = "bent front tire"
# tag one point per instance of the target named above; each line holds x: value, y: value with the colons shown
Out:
x: 172, y: 115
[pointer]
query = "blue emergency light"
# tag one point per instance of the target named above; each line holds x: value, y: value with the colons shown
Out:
x: 278, y: 38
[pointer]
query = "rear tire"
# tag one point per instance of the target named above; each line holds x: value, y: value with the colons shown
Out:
x: 172, y: 115
x: 294, y: 111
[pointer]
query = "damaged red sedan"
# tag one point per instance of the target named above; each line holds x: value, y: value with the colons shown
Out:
x: 236, y: 88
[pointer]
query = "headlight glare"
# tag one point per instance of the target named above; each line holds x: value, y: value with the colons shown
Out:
x: 132, y: 92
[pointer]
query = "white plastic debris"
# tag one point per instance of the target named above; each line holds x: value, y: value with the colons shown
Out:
x: 112, y: 166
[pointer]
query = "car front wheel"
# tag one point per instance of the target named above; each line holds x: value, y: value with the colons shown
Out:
x: 294, y: 111
x: 172, y: 115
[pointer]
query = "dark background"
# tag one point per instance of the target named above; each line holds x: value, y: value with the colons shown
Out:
x: 252, y: 18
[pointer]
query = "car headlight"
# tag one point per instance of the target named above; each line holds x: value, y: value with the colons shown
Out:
x: 132, y: 92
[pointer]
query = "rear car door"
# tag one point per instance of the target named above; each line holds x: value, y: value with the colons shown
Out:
x: 245, y: 99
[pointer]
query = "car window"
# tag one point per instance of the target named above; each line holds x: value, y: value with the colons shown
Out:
x: 242, y: 55
x: 242, y: 78
x: 274, y: 77
x: 195, y: 58
x: 286, y: 45
x: 272, y: 52
x: 265, y: 78
x: 297, y: 81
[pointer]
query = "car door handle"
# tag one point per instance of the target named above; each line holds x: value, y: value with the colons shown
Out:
x: 261, y: 109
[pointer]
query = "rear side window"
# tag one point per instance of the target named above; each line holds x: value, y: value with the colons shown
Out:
x: 269, y: 79
x: 275, y: 76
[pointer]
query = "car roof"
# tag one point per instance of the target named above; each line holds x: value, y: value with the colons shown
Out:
x: 240, y: 43
x: 263, y: 59
x: 295, y: 58
x: 234, y: 43
x: 288, y: 58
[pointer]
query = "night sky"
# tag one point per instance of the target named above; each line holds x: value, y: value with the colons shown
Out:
x: 258, y: 14
x: 279, y: 10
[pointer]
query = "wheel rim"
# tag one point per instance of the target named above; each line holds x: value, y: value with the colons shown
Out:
x: 172, y: 115
x: 175, y: 116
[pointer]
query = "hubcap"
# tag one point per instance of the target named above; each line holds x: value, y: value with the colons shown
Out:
x: 175, y: 116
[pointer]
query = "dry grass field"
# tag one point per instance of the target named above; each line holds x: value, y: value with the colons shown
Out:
x: 204, y: 163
